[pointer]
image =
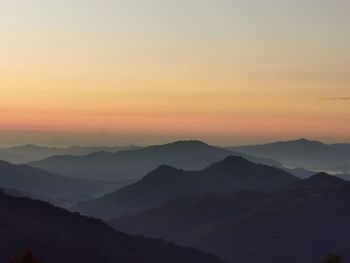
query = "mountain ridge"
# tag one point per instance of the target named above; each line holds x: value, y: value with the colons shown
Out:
x: 31, y: 152
x: 55, y: 235
x: 167, y: 182
x: 189, y: 155
x: 302, y: 153
x: 25, y: 178
x: 289, y: 225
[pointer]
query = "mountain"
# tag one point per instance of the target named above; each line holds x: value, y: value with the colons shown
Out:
x: 30, y: 153
x: 301, y: 224
x: 312, y: 155
x: 304, y: 174
x: 189, y: 155
x: 232, y: 174
x: 10, y: 156
x: 55, y: 235
x: 33, y: 181
x: 299, y: 172
x: 64, y: 202
x: 320, y: 180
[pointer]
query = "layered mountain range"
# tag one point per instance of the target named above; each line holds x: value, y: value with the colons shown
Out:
x: 55, y: 235
x: 303, y: 153
x: 298, y: 223
x: 34, y: 182
x: 166, y: 182
x: 189, y: 155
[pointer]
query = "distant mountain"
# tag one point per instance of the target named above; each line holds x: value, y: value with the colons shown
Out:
x: 11, y: 156
x: 312, y: 155
x: 301, y: 224
x: 299, y: 172
x: 321, y: 180
x: 32, y: 181
x: 189, y: 155
x: 30, y: 153
x: 63, y: 202
x: 304, y: 174
x: 231, y: 174
x: 55, y: 235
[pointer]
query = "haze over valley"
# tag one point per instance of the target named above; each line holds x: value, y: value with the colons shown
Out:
x: 174, y: 131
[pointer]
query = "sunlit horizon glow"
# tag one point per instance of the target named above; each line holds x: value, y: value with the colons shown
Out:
x: 227, y: 72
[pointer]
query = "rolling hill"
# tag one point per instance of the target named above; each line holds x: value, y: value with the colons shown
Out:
x: 189, y: 155
x: 300, y: 224
x: 231, y: 174
x: 55, y: 235
x: 302, y: 153
x: 34, y: 181
x: 29, y: 153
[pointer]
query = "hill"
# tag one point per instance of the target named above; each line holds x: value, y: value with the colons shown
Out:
x: 301, y: 224
x: 189, y: 155
x: 320, y: 180
x: 303, y: 153
x: 27, y: 179
x: 55, y: 235
x: 231, y: 174
x: 30, y: 153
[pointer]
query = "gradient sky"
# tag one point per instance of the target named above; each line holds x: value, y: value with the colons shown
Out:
x: 145, y: 71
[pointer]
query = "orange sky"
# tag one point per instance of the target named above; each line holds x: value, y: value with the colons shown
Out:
x: 222, y: 72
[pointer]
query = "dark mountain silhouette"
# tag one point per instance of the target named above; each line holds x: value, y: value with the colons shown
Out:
x: 320, y: 180
x: 37, y: 182
x: 231, y: 174
x: 301, y: 224
x: 30, y: 152
x: 189, y: 155
x: 303, y: 153
x: 55, y: 235
x: 304, y: 174
x: 64, y: 202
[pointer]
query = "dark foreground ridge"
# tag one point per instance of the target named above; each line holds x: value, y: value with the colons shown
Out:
x: 55, y: 235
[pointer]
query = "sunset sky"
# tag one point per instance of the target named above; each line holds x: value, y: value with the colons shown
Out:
x: 150, y: 71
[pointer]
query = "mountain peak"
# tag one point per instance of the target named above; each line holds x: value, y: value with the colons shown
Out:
x: 326, y: 178
x: 234, y: 158
x: 162, y: 173
x: 320, y: 180
x: 166, y: 168
x: 301, y: 141
x: 304, y: 140
x: 189, y: 143
x: 247, y: 171
x: 229, y: 161
x: 185, y: 147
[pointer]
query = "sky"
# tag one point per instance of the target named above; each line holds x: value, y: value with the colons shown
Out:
x: 150, y: 71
